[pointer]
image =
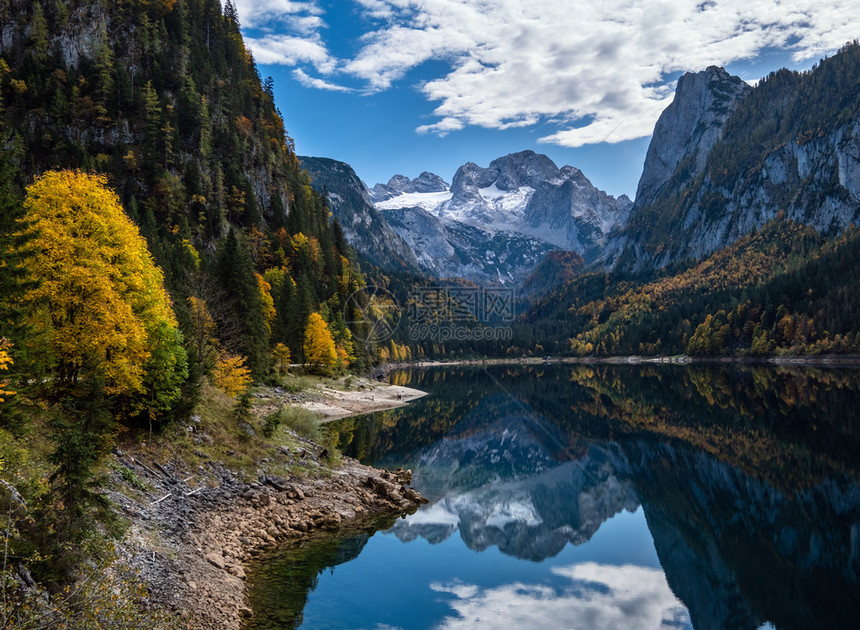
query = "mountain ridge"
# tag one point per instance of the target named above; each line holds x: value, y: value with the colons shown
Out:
x: 790, y: 145
x: 491, y: 225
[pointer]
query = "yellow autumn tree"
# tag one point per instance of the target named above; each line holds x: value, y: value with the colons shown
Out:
x: 5, y: 362
x: 230, y: 374
x: 99, y: 307
x: 281, y: 354
x: 266, y: 301
x: 319, y: 346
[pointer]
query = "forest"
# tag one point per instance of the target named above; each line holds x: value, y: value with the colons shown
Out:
x: 158, y: 239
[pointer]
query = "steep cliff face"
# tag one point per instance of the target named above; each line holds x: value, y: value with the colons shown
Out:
x: 689, y: 128
x: 790, y: 146
x: 570, y: 213
x: 364, y: 226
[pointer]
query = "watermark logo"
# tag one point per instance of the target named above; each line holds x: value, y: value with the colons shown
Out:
x: 373, y: 314
x: 442, y: 314
x: 437, y: 314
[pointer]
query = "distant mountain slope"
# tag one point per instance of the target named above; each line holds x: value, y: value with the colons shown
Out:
x: 400, y: 184
x: 555, y: 269
x: 527, y: 193
x: 782, y: 289
x: 792, y: 144
x: 495, y: 224
x: 362, y: 223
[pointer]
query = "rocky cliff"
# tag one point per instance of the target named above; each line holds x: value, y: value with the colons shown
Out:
x: 726, y: 159
x: 688, y: 129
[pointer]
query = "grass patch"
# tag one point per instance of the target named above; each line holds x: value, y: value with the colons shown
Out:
x: 305, y: 423
x: 295, y: 384
x: 128, y: 476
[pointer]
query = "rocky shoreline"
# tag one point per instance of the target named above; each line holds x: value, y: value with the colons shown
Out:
x: 811, y: 360
x: 193, y: 536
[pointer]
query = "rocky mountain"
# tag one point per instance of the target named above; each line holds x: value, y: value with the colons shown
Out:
x: 400, y: 184
x: 689, y: 128
x: 496, y: 224
x: 453, y: 249
x: 364, y: 226
x: 725, y: 159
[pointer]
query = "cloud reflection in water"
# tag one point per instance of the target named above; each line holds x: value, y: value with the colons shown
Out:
x: 597, y: 597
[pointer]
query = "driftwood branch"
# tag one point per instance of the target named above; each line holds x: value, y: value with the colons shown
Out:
x: 157, y: 501
x: 164, y: 470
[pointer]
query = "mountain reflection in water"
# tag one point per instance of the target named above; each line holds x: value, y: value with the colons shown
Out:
x: 747, y: 478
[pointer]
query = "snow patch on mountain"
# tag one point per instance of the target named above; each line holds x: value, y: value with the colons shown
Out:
x: 495, y: 224
x: 426, y: 201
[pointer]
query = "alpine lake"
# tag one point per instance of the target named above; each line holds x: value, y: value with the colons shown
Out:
x: 595, y: 496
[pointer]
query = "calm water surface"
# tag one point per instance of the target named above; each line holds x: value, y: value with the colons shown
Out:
x: 596, y: 497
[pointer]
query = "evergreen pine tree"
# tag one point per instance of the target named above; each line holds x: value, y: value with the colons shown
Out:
x: 235, y: 271
x: 13, y: 282
x: 305, y: 304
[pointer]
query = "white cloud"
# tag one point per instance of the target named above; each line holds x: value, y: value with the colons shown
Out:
x: 600, y: 68
x: 267, y: 13
x: 287, y: 33
x: 291, y: 51
x: 592, y: 70
x: 312, y: 82
x: 598, y: 597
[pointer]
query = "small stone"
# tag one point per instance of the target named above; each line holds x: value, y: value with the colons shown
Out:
x: 215, y: 559
x: 277, y: 482
x: 238, y: 571
x: 245, y: 612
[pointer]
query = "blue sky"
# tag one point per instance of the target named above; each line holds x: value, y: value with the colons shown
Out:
x: 403, y: 86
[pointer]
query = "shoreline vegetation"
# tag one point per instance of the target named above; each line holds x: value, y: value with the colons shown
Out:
x: 195, y: 535
x: 198, y: 503
x: 212, y: 534
x: 847, y: 360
